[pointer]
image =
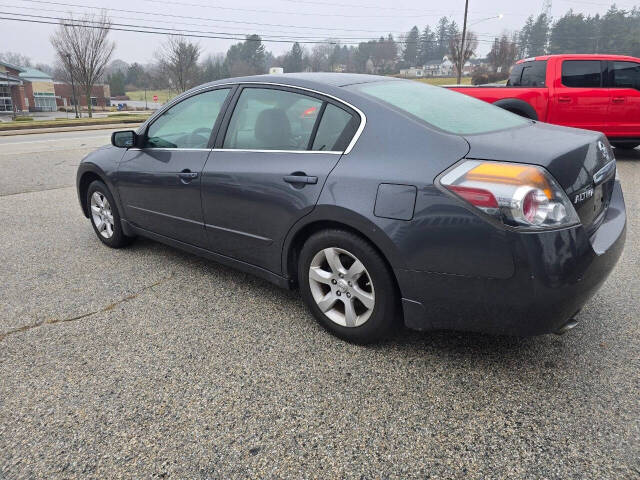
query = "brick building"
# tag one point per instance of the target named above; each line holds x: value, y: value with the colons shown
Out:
x: 100, y: 95
x: 27, y: 89
x: 11, y: 88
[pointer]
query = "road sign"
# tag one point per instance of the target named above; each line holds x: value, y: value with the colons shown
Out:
x: 155, y: 98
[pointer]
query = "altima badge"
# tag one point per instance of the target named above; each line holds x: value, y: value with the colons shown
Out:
x: 581, y: 197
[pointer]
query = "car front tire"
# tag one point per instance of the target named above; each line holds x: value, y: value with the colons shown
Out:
x: 348, y: 286
x: 104, y: 216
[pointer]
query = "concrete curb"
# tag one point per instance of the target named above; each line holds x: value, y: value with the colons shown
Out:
x: 103, y: 126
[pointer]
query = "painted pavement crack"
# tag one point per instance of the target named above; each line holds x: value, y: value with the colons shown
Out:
x: 107, y: 308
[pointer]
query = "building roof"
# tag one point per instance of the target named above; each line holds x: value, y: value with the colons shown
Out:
x: 12, y: 66
x: 32, y: 73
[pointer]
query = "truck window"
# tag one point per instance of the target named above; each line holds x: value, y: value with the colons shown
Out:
x: 581, y: 73
x: 528, y: 74
x: 625, y: 75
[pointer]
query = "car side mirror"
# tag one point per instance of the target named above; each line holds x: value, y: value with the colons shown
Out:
x: 124, y: 139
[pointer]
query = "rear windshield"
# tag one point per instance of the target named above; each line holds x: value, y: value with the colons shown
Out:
x: 444, y: 109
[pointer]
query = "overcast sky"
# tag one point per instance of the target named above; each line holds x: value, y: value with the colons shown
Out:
x: 349, y: 20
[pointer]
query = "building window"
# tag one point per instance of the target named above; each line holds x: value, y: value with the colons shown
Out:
x: 94, y: 102
x: 44, y: 102
x: 6, y: 105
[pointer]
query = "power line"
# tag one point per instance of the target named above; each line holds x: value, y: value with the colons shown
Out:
x: 138, y: 12
x: 43, y: 19
x: 250, y: 10
x: 172, y: 16
x: 244, y: 32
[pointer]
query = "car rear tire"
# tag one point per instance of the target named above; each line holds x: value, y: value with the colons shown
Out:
x: 104, y: 216
x: 348, y: 286
x: 625, y: 146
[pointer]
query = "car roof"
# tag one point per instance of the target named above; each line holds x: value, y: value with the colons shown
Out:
x: 306, y: 79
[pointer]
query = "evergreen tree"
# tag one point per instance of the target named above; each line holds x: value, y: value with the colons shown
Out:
x: 116, y: 83
x: 427, y: 46
x: 294, y: 59
x: 572, y: 33
x: 410, y: 54
x: 539, y: 36
x: 442, y: 38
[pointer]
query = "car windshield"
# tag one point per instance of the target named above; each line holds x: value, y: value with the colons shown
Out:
x: 444, y: 109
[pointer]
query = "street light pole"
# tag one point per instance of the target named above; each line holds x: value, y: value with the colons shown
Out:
x: 464, y: 34
x: 73, y: 85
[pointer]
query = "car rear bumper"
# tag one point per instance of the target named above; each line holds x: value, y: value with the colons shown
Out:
x: 556, y: 273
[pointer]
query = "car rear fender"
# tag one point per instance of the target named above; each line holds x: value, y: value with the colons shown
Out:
x: 331, y: 216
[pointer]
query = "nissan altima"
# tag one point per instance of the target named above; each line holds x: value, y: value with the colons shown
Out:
x: 382, y: 200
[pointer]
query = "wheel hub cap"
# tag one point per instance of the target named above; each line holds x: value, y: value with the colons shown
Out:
x: 341, y: 287
x: 101, y: 214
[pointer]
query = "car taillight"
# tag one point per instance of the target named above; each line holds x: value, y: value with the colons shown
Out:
x: 519, y: 195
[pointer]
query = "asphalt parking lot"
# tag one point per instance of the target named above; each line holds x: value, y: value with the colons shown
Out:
x: 152, y: 363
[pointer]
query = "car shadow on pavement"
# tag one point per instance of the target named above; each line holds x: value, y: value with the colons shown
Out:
x: 456, y: 346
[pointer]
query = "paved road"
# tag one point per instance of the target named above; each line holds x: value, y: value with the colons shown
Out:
x: 149, y: 362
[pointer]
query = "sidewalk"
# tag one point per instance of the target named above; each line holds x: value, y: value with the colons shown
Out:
x: 102, y: 126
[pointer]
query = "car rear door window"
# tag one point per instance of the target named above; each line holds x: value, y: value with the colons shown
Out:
x: 187, y: 124
x: 625, y: 75
x: 581, y: 73
x: 335, y: 131
x: 272, y: 119
x: 529, y: 74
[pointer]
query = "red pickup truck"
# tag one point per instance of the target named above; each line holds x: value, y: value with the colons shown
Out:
x: 596, y: 92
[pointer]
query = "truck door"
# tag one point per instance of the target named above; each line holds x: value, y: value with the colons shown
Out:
x: 581, y: 98
x: 624, y: 110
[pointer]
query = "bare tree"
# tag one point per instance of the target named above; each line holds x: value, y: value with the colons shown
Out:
x: 461, y: 54
x: 17, y: 59
x: 503, y: 54
x: 179, y: 61
x: 82, y: 46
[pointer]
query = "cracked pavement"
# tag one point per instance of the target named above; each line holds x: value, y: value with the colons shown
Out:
x: 150, y: 362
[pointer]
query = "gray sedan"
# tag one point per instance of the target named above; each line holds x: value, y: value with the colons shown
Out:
x: 380, y: 199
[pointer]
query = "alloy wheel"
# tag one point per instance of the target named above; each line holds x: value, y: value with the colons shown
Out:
x: 341, y: 287
x: 101, y: 214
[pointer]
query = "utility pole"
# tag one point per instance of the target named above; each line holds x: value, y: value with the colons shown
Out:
x: 73, y: 85
x: 464, y: 34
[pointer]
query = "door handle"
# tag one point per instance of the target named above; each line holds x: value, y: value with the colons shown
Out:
x: 617, y: 99
x: 564, y: 99
x: 300, y: 179
x: 186, y: 176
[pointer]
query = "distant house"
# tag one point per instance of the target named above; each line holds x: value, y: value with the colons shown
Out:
x: 413, y: 72
x: 432, y: 68
x: 276, y: 70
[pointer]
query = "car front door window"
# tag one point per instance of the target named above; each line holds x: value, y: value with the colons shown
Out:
x: 187, y: 124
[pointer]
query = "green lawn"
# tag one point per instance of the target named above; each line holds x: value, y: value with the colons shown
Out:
x: 61, y: 122
x: 163, y: 95
x: 445, y: 80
